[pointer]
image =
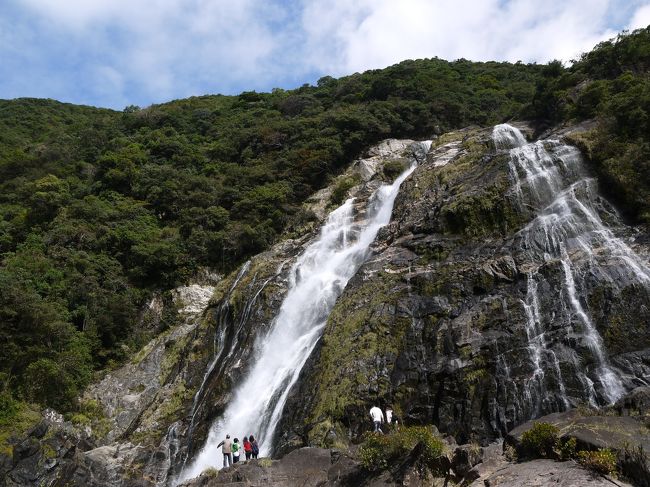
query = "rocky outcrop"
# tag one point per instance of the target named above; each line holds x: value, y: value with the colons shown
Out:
x: 621, y: 428
x: 332, y: 468
x: 546, y: 473
x: 436, y: 323
x: 124, y: 433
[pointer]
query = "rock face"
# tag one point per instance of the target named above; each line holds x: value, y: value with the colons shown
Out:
x: 621, y: 428
x: 471, y: 314
x: 466, y: 317
x: 546, y: 473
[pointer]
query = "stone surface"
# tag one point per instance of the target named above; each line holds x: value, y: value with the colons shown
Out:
x: 627, y: 436
x: 546, y: 473
x: 306, y: 467
x: 435, y: 322
x: 592, y: 431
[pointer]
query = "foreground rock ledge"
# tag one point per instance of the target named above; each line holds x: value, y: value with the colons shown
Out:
x: 318, y: 467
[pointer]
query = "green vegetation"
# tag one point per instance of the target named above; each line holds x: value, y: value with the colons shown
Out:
x: 378, y: 451
x: 540, y: 440
x: 90, y: 413
x: 341, y: 188
x: 602, y: 461
x: 16, y: 418
x: 393, y: 168
x: 611, y: 85
x: 210, y: 473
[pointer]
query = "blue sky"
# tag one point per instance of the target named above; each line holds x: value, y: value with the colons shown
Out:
x: 114, y: 53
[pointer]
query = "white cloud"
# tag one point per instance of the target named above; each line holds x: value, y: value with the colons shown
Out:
x: 381, y: 32
x: 161, y: 47
x: 143, y: 51
x: 641, y: 18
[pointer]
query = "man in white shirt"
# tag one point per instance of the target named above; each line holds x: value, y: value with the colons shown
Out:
x: 377, y: 418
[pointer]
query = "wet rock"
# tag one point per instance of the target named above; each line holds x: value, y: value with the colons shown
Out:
x: 442, y: 332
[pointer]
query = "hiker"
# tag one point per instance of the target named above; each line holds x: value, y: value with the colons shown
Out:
x: 255, y: 449
x: 226, y: 450
x: 377, y: 418
x: 396, y: 420
x: 236, y: 449
x: 389, y: 418
x: 248, y: 448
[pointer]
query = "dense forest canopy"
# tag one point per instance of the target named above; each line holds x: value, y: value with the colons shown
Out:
x: 100, y: 208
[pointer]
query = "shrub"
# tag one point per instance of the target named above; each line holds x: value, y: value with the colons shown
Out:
x: 510, y: 453
x: 540, y: 440
x: 566, y: 449
x: 602, y: 461
x: 634, y: 464
x: 341, y: 189
x: 210, y: 472
x: 393, y: 168
x: 8, y: 407
x: 377, y: 451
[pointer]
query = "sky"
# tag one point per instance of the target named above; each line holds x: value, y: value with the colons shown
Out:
x: 115, y: 53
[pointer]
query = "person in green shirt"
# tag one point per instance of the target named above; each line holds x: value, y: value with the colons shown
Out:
x: 236, y: 450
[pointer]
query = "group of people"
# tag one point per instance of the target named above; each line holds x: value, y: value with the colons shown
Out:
x: 232, y: 449
x: 378, y: 418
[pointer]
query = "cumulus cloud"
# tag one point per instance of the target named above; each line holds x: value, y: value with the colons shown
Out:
x: 117, y: 52
x: 382, y: 32
x: 158, y: 49
x: 641, y: 18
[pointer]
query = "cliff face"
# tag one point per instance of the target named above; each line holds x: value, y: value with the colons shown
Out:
x: 485, y: 302
x: 503, y: 288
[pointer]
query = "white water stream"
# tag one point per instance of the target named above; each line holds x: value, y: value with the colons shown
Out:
x: 317, y: 278
x: 551, y: 181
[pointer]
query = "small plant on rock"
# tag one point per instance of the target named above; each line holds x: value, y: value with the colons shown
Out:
x: 566, y: 448
x: 540, y: 440
x: 375, y: 451
x: 378, y: 451
x: 602, y: 461
x: 510, y: 453
x: 210, y: 472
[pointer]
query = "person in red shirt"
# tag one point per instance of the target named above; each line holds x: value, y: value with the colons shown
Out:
x: 248, y: 448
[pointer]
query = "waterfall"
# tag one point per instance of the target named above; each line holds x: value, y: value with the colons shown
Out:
x: 317, y: 278
x: 551, y: 182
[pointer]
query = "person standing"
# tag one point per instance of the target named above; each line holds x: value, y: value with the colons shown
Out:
x: 255, y: 449
x: 377, y: 418
x: 227, y: 451
x: 236, y: 450
x: 248, y: 449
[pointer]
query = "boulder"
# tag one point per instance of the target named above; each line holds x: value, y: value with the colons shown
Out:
x: 546, y: 473
x: 592, y: 431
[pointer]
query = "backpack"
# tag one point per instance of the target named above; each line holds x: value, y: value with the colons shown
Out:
x: 256, y: 449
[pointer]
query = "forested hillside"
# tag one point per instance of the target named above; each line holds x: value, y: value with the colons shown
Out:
x: 100, y: 208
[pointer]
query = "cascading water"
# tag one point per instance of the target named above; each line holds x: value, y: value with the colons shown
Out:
x: 550, y: 180
x: 317, y: 278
